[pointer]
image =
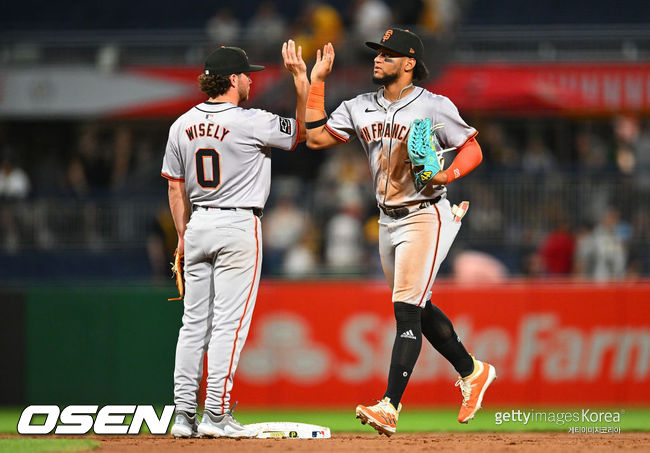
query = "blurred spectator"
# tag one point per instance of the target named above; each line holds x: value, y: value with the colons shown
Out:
x: 161, y: 243
x: 95, y: 152
x: 440, y: 16
x: 472, y: 267
x: 266, y: 27
x: 75, y: 178
x: 122, y: 156
x: 14, y: 182
x: 532, y: 265
x: 537, y: 158
x: 639, y: 262
x: 371, y: 236
x: 591, y: 152
x: 284, y: 226
x: 345, y: 170
x: 557, y: 250
x: 601, y: 254
x: 318, y: 24
x: 8, y: 228
x: 486, y: 218
x: 223, y: 28
x: 371, y: 19
x: 633, y: 149
x: 90, y: 168
x: 497, y: 148
x: 626, y: 131
x: 301, y: 259
x: 144, y: 174
x: 408, y: 11
x: 344, y: 234
x: 642, y: 158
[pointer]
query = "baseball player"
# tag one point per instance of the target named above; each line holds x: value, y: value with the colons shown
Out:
x: 218, y: 166
x: 417, y: 224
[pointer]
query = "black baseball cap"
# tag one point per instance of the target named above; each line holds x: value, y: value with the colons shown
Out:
x: 228, y: 60
x: 403, y: 42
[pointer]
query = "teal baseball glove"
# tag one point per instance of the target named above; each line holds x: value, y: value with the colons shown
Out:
x: 421, y: 147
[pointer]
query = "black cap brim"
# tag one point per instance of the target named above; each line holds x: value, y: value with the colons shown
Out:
x: 377, y: 46
x: 235, y: 70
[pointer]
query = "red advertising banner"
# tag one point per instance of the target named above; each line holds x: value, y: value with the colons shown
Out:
x: 585, y: 89
x: 329, y: 343
x: 579, y: 88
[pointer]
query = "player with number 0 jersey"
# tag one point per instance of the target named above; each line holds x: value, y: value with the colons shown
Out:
x: 218, y: 167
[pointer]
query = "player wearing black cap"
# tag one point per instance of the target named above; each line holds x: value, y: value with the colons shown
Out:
x: 218, y: 167
x: 417, y: 224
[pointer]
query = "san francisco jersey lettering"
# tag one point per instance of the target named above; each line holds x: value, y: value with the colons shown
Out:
x: 383, y: 129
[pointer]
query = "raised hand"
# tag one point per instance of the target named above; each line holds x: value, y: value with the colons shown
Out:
x: 293, y: 60
x: 324, y: 63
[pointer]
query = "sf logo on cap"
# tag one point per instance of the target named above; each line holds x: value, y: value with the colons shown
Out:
x: 387, y: 35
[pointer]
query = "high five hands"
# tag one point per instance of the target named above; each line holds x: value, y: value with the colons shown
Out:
x: 293, y: 60
x: 324, y: 63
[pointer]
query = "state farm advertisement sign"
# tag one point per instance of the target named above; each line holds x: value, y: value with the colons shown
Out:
x: 330, y: 342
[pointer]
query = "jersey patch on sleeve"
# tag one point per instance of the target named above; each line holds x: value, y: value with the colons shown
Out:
x: 285, y: 125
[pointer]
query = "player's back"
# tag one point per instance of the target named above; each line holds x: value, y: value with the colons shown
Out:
x: 222, y: 151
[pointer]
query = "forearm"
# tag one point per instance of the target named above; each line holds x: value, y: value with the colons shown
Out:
x: 180, y: 208
x: 317, y: 136
x: 302, y: 92
x: 468, y: 158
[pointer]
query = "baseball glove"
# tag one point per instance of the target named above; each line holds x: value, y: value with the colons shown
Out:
x: 421, y: 147
x: 177, y: 271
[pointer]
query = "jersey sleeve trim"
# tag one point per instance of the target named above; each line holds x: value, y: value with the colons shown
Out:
x: 171, y: 178
x: 336, y: 134
x: 467, y: 140
x: 295, y: 143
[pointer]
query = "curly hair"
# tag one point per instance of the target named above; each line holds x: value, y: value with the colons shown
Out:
x: 420, y: 72
x: 214, y: 85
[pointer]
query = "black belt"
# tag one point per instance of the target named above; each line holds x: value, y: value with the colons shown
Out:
x: 257, y: 211
x: 403, y: 211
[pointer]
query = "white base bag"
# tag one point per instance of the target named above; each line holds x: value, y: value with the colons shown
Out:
x: 289, y: 430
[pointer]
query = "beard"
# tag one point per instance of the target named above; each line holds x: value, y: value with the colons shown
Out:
x: 243, y: 94
x: 385, y: 80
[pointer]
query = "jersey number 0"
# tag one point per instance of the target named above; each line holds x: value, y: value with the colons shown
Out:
x: 207, y: 168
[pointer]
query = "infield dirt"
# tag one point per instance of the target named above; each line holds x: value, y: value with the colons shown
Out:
x: 411, y: 442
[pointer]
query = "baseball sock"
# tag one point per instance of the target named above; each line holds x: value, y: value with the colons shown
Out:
x: 438, y: 329
x: 406, y: 349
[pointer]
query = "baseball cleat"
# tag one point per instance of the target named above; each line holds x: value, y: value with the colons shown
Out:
x: 223, y: 425
x: 382, y: 416
x: 473, y: 388
x: 185, y: 425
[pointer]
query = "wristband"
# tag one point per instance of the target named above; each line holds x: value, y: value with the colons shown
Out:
x: 316, y: 98
x: 316, y: 124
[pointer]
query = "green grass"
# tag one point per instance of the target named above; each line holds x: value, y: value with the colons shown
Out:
x: 441, y: 420
x: 30, y: 445
x: 411, y: 420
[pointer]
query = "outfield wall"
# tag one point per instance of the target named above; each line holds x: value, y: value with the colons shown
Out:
x: 329, y: 343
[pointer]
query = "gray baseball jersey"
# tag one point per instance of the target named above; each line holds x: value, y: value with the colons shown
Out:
x: 411, y: 247
x: 221, y: 153
x: 383, y: 128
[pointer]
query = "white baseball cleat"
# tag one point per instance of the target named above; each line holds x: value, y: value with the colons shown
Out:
x: 223, y: 425
x: 184, y: 425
